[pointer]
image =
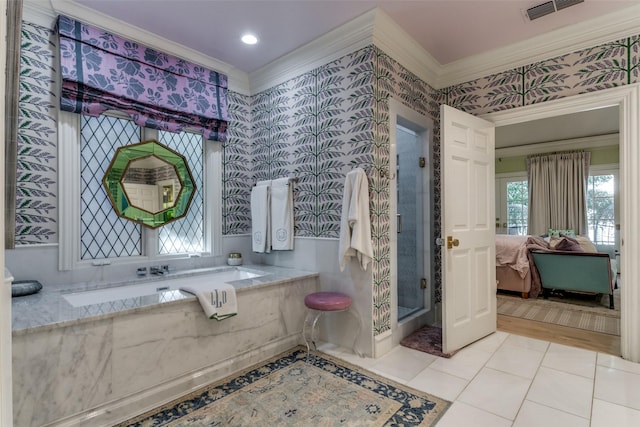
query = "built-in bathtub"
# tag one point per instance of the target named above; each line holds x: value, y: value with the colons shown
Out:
x: 96, y: 354
x: 165, y: 288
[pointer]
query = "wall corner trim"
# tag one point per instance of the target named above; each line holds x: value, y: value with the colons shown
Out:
x: 355, y: 34
x: 398, y: 44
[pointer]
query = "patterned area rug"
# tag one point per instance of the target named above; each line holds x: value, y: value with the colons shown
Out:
x: 581, y: 312
x: 288, y: 391
x: 427, y: 339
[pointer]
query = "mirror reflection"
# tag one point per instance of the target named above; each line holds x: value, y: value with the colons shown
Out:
x: 149, y: 183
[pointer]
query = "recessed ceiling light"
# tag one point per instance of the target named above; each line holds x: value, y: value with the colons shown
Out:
x: 249, y: 39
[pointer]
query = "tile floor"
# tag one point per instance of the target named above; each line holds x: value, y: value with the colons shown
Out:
x: 510, y: 380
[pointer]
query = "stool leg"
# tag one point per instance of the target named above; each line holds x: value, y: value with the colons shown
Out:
x: 310, y: 329
x: 355, y: 314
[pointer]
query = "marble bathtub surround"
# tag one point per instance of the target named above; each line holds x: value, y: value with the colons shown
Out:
x: 49, y: 309
x: 75, y: 368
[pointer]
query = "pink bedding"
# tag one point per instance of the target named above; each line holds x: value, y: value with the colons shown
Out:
x: 512, y: 251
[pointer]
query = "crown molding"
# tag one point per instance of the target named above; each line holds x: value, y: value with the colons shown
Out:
x: 333, y: 45
x: 238, y: 80
x: 398, y: 44
x: 590, y: 142
x: 38, y: 13
x: 373, y: 27
x: 584, y: 35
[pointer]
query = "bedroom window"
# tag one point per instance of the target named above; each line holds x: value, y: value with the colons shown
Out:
x: 601, y: 209
x: 512, y: 205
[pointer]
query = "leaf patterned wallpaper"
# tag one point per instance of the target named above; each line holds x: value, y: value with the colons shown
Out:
x: 37, y: 172
x: 316, y: 127
x: 601, y: 67
x: 319, y: 126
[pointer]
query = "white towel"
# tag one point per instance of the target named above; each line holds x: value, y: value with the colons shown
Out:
x: 281, y: 215
x: 218, y: 301
x: 355, y: 225
x: 260, y: 217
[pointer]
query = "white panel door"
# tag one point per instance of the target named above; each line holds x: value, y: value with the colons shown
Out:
x: 143, y: 196
x: 468, y: 228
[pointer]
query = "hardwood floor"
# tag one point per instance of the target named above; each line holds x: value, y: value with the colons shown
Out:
x: 595, y: 341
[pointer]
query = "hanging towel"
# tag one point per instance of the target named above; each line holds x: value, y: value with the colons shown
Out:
x: 260, y: 217
x: 218, y: 301
x: 355, y: 225
x: 281, y: 214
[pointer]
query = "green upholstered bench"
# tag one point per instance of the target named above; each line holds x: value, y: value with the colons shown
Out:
x: 575, y: 271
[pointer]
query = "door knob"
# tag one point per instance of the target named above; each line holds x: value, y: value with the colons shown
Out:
x: 451, y: 242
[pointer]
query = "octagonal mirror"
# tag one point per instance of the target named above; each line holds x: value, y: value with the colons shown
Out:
x: 149, y: 183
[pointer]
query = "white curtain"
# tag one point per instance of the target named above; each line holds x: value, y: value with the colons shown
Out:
x: 558, y: 191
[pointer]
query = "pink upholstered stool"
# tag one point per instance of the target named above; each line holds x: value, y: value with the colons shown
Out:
x: 323, y: 302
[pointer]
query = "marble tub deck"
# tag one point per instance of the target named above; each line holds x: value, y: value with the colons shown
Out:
x: 48, y: 309
x: 101, y: 364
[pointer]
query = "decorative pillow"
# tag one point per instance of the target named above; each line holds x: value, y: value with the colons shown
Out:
x: 556, y: 233
x: 568, y: 244
x: 586, y: 244
x: 553, y: 241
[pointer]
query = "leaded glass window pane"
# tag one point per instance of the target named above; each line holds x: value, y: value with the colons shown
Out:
x: 102, y: 233
x: 186, y: 235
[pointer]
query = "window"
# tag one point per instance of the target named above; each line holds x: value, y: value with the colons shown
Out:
x: 187, y: 234
x: 601, y: 211
x: 102, y: 233
x: 512, y: 205
x: 602, y: 206
x: 94, y: 233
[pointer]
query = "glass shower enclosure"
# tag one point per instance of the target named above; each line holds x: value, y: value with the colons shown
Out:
x: 411, y: 222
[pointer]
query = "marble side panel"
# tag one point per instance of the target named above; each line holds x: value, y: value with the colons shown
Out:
x: 177, y: 339
x: 61, y: 372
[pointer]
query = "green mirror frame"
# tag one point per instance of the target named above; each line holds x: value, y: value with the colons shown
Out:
x: 113, y: 183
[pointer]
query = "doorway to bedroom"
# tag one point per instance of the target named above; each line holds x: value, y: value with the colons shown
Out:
x: 576, y: 319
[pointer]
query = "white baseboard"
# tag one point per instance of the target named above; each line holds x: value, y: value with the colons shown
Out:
x: 383, y: 344
x: 123, y: 409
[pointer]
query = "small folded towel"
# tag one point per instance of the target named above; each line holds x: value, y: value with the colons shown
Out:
x: 260, y: 217
x: 218, y: 301
x: 355, y: 224
x: 281, y: 215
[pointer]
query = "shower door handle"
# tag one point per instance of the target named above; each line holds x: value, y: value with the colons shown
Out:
x: 399, y: 221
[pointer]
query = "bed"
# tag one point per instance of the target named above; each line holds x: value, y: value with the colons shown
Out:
x: 513, y: 267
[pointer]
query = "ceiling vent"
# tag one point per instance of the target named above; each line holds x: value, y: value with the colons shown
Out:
x: 563, y: 4
x: 549, y: 7
x: 540, y: 10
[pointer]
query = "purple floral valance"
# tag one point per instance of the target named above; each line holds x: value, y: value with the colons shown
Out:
x: 102, y: 71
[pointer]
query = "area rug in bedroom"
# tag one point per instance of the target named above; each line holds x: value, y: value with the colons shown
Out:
x: 590, y: 318
x: 289, y: 391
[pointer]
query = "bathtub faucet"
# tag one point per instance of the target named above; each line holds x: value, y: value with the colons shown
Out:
x: 160, y: 270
